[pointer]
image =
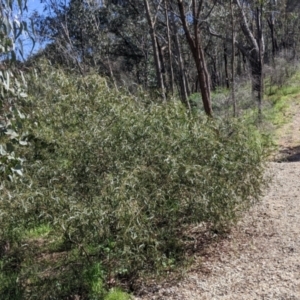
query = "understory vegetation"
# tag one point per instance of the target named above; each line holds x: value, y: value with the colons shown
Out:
x: 132, y: 124
x: 111, y: 183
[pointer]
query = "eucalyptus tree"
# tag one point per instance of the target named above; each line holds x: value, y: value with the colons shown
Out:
x: 271, y: 17
x: 164, y: 44
x: 73, y: 29
x: 249, y: 16
x: 96, y: 35
x: 288, y: 26
x: 177, y: 53
x: 255, y: 49
x: 167, y: 55
x: 132, y: 42
x: 151, y: 18
x: 192, y: 32
x: 233, y: 34
x: 12, y: 88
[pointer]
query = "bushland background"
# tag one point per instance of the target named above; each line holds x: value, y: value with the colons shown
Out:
x: 135, y: 122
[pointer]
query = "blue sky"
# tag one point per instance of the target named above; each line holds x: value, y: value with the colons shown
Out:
x: 32, y: 5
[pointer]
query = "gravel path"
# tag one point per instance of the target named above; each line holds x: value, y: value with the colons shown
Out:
x: 261, y: 257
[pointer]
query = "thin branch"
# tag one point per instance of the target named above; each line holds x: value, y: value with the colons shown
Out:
x: 243, y: 49
x: 210, y: 11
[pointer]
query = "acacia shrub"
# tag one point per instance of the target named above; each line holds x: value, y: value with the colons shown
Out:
x: 119, y: 178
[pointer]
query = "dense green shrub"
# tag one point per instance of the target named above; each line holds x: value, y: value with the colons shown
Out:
x: 119, y: 178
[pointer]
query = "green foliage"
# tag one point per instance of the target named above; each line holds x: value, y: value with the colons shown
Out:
x: 12, y: 91
x: 281, y: 95
x: 12, y: 95
x: 116, y: 294
x: 8, y: 287
x: 118, y: 180
x: 93, y: 278
x: 38, y: 231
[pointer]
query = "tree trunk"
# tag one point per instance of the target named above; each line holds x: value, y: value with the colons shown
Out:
x: 215, y: 76
x: 256, y: 52
x: 271, y: 23
x: 172, y: 81
x: 182, y: 80
x: 260, y: 61
x: 233, y: 62
x: 159, y: 74
x: 195, y: 45
x: 215, y: 80
x: 226, y: 66
x: 162, y: 65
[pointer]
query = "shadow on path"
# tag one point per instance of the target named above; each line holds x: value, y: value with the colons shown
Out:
x: 290, y: 154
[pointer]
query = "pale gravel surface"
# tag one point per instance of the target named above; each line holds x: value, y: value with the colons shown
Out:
x: 261, y: 257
